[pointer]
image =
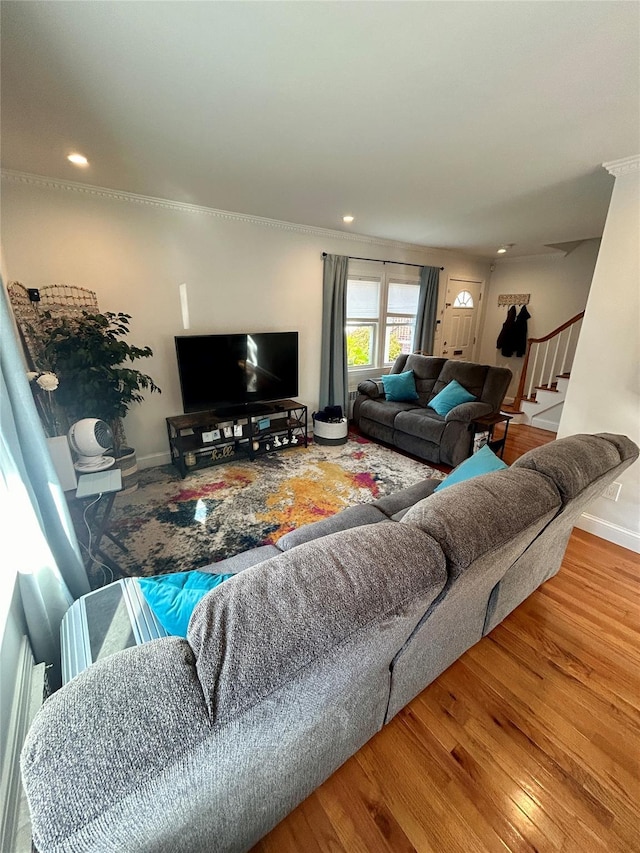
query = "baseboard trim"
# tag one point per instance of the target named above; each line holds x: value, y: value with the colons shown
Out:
x: 628, y: 539
x: 542, y: 423
x: 154, y: 459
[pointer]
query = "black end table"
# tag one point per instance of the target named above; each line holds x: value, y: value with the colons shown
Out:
x: 487, y: 423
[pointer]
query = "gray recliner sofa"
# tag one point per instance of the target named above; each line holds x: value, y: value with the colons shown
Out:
x: 414, y: 426
x: 289, y: 667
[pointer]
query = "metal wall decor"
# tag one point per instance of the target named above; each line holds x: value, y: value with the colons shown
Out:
x: 513, y: 299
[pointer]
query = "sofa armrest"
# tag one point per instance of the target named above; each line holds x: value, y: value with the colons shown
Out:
x: 466, y: 412
x: 371, y: 388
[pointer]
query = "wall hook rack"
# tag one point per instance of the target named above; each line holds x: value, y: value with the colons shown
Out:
x: 513, y: 299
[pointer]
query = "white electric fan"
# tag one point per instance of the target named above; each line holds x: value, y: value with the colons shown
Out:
x: 89, y: 438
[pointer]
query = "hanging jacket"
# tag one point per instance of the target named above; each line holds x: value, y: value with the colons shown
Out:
x: 505, y: 341
x: 520, y: 331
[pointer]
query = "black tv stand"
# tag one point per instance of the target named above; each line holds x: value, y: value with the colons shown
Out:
x: 231, y: 433
x: 243, y: 410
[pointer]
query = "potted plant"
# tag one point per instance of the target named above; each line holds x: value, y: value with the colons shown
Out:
x: 91, y: 361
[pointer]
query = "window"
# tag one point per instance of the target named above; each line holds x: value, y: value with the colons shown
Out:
x: 381, y: 317
x: 463, y: 300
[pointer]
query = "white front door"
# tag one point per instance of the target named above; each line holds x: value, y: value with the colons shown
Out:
x: 460, y: 317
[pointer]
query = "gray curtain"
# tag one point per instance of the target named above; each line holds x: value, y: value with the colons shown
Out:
x: 333, y: 359
x: 38, y: 541
x: 427, y: 310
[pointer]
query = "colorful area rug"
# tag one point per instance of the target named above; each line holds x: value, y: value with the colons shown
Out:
x: 169, y: 524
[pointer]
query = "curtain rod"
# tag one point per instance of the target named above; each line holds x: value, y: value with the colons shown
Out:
x: 378, y: 261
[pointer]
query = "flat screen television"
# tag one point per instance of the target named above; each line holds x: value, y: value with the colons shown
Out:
x: 236, y: 373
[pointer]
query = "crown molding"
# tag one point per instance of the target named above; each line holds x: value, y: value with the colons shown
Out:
x: 167, y: 204
x: 523, y: 259
x: 618, y: 168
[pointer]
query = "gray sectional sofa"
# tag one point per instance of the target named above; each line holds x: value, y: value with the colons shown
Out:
x: 415, y: 427
x: 289, y: 667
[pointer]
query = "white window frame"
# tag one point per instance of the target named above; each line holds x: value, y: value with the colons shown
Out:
x: 386, y: 274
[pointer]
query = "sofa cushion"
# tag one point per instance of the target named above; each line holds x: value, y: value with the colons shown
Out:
x: 422, y: 423
x: 267, y: 626
x: 464, y: 534
x: 383, y: 411
x: 112, y: 729
x: 399, y: 387
x: 353, y: 516
x: 452, y: 395
x: 471, y: 376
x: 574, y: 462
x: 426, y: 370
x: 483, y: 462
x: 405, y: 498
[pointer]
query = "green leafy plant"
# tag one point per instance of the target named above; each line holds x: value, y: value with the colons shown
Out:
x: 90, y: 359
x: 359, y: 346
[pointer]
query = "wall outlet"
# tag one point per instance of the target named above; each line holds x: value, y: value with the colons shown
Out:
x: 612, y: 492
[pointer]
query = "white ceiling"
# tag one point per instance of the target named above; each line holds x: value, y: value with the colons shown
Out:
x: 449, y: 124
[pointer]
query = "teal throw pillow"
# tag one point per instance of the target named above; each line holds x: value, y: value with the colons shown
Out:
x: 400, y: 387
x: 482, y: 462
x: 452, y: 395
x: 173, y: 597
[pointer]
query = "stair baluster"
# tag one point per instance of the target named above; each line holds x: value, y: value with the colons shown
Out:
x: 530, y: 375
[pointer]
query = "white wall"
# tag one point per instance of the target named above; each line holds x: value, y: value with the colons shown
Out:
x: 559, y: 287
x: 604, y: 392
x: 243, y: 274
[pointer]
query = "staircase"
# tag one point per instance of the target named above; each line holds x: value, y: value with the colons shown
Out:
x: 545, y: 376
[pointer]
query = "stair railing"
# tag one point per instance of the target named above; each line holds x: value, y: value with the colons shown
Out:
x: 557, y: 350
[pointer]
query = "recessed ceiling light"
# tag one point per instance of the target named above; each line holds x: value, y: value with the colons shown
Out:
x: 78, y: 160
x: 347, y: 218
x: 501, y: 251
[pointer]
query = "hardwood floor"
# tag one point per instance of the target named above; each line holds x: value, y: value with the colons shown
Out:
x: 521, y: 438
x: 529, y: 742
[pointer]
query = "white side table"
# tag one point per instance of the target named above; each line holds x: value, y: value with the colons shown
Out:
x: 99, y: 490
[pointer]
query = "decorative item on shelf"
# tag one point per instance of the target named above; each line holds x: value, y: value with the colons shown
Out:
x: 256, y: 445
x: 277, y: 442
x: 215, y: 434
x: 479, y: 440
x: 228, y: 431
x: 285, y: 440
x: 228, y: 450
x: 294, y: 439
x: 190, y: 459
x: 237, y: 430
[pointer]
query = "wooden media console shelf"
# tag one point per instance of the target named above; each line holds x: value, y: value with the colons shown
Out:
x: 224, y: 435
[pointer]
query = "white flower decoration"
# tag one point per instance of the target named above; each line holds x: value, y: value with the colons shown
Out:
x: 48, y: 381
x: 32, y: 374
